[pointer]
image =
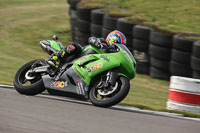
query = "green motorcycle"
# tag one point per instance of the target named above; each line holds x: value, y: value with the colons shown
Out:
x: 102, y: 78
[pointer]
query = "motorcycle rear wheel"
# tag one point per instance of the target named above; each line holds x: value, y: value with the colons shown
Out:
x: 123, y: 87
x: 28, y: 87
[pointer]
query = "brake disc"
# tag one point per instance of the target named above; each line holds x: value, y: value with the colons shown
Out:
x: 108, y: 92
x: 29, y: 76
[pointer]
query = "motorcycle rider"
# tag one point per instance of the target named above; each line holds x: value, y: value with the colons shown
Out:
x: 70, y: 52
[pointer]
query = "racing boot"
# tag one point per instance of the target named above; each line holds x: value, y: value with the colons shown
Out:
x: 52, y: 61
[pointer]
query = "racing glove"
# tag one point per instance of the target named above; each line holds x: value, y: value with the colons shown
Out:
x: 60, y: 54
x: 97, y: 42
x: 64, y: 52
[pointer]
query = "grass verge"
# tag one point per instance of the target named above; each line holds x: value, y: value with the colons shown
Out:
x: 167, y: 15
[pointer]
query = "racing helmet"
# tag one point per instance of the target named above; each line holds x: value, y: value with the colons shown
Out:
x: 115, y: 37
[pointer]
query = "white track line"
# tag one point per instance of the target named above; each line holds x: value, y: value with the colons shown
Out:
x: 117, y: 107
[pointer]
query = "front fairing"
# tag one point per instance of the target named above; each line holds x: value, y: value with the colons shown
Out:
x: 91, y: 65
x: 128, y: 63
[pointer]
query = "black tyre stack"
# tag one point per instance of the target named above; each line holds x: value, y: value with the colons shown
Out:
x: 109, y: 25
x: 82, y: 32
x: 195, y: 60
x: 126, y: 27
x: 160, y: 52
x: 96, y: 24
x: 181, y: 55
x: 73, y: 4
x: 73, y: 16
x: 140, y: 44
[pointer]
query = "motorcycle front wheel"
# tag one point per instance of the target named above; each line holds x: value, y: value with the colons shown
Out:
x: 27, y: 83
x: 109, y: 97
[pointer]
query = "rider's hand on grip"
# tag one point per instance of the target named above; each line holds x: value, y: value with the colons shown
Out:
x: 92, y: 41
x: 61, y: 53
x: 102, y: 46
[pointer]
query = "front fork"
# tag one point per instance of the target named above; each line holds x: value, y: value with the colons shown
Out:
x: 42, y: 67
x: 111, y: 78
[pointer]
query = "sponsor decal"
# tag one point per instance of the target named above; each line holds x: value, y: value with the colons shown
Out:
x: 80, y: 87
x: 58, y: 84
x: 77, y: 90
x: 95, y: 67
x: 105, y: 58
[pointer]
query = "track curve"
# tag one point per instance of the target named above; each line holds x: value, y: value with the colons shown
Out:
x: 31, y: 114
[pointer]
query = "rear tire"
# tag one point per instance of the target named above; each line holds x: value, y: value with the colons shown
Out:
x: 36, y: 86
x: 117, y: 96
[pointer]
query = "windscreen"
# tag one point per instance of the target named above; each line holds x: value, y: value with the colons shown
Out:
x: 126, y: 49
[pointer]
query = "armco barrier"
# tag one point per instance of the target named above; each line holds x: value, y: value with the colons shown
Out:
x: 184, y: 94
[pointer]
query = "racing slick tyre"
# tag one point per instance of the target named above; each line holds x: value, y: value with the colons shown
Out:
x: 33, y: 86
x: 109, y: 97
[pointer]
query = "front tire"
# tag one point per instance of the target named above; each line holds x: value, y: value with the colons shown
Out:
x: 34, y: 87
x: 123, y: 87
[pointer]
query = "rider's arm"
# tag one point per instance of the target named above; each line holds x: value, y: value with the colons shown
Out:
x: 101, y: 44
x: 73, y: 49
x: 97, y: 42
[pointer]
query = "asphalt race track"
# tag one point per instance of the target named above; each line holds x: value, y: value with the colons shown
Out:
x: 37, y: 114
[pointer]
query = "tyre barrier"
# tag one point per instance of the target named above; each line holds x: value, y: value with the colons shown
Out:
x: 83, y: 25
x: 179, y: 54
x: 96, y: 22
x: 196, y: 74
x: 183, y: 43
x: 161, y: 55
x: 141, y: 32
x: 109, y: 24
x: 195, y: 60
x: 73, y: 22
x: 140, y: 42
x: 196, y: 49
x: 184, y: 94
x: 73, y: 3
x: 160, y: 50
x: 126, y: 27
x: 142, y: 60
x: 179, y: 69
